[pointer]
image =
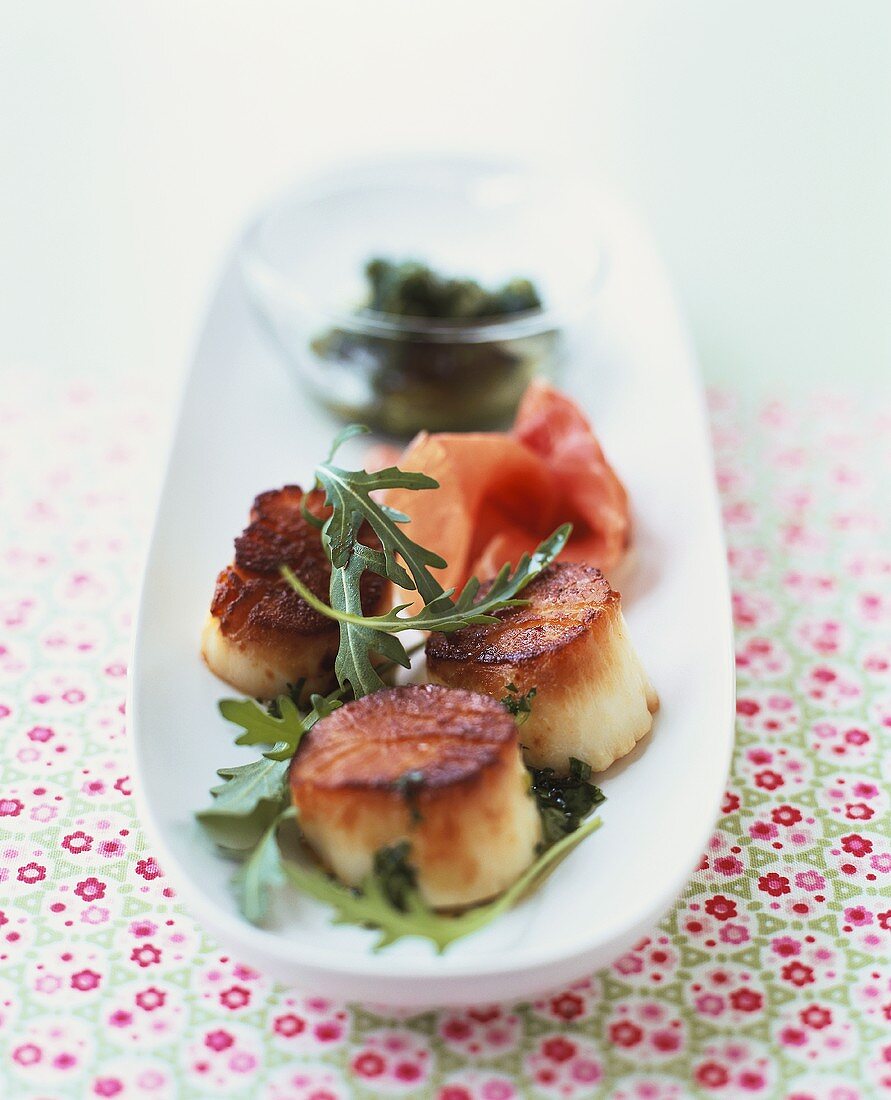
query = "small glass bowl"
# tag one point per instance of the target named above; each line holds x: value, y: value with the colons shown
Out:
x: 303, y: 262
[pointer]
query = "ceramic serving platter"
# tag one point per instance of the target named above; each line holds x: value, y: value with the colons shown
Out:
x: 243, y: 428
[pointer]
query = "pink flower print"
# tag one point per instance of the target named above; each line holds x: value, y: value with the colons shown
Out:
x: 91, y: 889
x: 729, y: 866
x: 768, y: 780
x: 150, y: 999
x: 145, y: 955
x: 734, y: 934
x: 327, y: 1031
x: 710, y: 1004
x: 77, y: 842
x: 751, y: 1080
x: 11, y: 807
x: 712, y: 1075
x: 625, y: 1034
x: 456, y: 1029
x: 793, y: 1037
x: 94, y: 914
x: 567, y: 1006
x: 629, y: 964
x: 858, y: 915
x: 368, y: 1064
x: 406, y: 1071
x: 246, y: 974
x: 107, y: 1086
x: 558, y: 1049
x: 797, y: 974
x: 746, y: 1000
x: 785, y: 815
x: 218, y: 1040
x: 666, y: 1041
x: 720, y: 907
x: 856, y: 845
x: 235, y: 997
x: 774, y: 884
x: 85, y: 980
x: 866, y: 790
x: 586, y: 1071
x: 31, y: 873
x: 816, y: 1016
x: 731, y: 803
x: 28, y: 1054
x: 288, y: 1025
x: 148, y: 868
x: 810, y: 880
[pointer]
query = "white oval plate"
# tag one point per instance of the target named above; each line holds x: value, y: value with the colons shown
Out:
x: 242, y: 429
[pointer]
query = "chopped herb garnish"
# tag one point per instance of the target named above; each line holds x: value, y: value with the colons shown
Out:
x: 409, y: 785
x: 563, y: 801
x: 398, y: 879
x: 519, y: 705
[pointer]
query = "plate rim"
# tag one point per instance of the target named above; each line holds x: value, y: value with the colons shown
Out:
x: 316, y: 959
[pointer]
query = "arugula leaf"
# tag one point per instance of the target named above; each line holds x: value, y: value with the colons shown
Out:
x: 400, y: 559
x: 442, y: 613
x: 261, y: 871
x: 348, y: 492
x: 259, y: 726
x: 519, y: 705
x: 353, y: 664
x: 371, y: 905
x: 564, y: 800
x: 262, y: 727
x: 244, y: 806
x: 253, y: 795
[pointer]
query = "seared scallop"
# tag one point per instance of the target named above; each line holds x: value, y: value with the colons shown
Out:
x: 593, y: 700
x: 260, y: 635
x: 439, y: 768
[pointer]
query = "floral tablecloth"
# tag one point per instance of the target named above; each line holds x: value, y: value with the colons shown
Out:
x: 769, y: 977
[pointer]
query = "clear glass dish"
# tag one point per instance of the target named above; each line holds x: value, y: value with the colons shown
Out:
x: 303, y: 262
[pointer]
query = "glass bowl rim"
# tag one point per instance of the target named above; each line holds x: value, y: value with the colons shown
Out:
x: 268, y: 286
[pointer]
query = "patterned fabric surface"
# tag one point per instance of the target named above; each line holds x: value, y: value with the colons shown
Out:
x: 769, y: 977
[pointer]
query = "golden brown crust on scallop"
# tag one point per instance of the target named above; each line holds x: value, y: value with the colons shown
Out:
x: 445, y: 737
x: 252, y: 601
x: 439, y: 768
x: 564, y: 601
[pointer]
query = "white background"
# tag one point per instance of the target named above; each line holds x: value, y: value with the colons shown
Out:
x: 756, y: 137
